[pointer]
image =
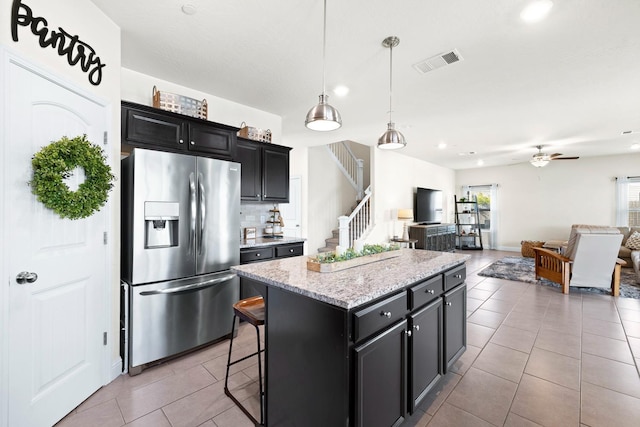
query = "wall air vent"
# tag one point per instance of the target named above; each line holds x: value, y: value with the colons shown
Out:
x: 438, y: 61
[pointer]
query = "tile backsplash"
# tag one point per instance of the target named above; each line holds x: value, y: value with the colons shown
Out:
x: 254, y: 215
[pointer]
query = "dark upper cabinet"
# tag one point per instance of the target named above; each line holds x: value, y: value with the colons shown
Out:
x: 144, y: 127
x: 219, y: 143
x: 249, y: 155
x: 149, y: 127
x: 265, y: 171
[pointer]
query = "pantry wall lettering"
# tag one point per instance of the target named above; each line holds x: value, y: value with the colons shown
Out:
x: 67, y: 45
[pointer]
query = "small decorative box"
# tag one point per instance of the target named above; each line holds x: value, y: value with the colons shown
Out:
x: 250, y: 233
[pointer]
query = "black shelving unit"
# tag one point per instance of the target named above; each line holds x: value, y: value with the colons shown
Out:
x: 468, y: 235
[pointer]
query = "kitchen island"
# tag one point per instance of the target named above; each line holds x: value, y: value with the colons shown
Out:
x: 362, y: 346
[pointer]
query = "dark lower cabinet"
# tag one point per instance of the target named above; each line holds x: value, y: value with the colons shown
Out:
x: 369, y: 366
x: 381, y: 378
x: 425, y: 350
x: 455, y: 324
x: 264, y: 253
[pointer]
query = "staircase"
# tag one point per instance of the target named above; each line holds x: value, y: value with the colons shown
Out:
x: 354, y: 226
x: 357, y: 223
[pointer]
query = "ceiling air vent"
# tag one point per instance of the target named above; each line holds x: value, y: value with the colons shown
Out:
x: 438, y: 61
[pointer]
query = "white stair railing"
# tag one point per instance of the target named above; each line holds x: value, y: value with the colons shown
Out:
x: 356, y: 225
x: 349, y: 164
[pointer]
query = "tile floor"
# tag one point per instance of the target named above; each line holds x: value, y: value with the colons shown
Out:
x: 534, y: 357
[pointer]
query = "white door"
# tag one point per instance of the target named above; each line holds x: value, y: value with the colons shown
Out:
x: 291, y: 212
x: 55, y: 324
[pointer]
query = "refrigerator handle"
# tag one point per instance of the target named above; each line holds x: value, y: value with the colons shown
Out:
x: 192, y: 211
x: 203, y: 211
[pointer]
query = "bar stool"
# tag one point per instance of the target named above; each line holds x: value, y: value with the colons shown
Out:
x: 250, y: 310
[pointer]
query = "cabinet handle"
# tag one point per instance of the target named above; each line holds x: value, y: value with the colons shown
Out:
x: 257, y: 254
x: 193, y: 143
x: 447, y: 303
x: 291, y: 250
x: 458, y: 276
x: 416, y: 327
x: 264, y: 195
x: 386, y: 314
x: 181, y: 141
x: 431, y: 291
x: 408, y: 333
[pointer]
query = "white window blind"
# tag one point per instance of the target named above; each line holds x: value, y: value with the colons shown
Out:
x: 628, y: 201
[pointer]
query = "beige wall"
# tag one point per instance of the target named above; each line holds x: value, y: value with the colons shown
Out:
x: 395, y: 178
x: 138, y: 88
x: 330, y: 196
x: 83, y: 18
x: 542, y: 203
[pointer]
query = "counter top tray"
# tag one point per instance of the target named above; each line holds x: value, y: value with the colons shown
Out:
x: 355, y: 286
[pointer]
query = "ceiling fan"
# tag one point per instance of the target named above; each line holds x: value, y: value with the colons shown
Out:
x: 540, y: 159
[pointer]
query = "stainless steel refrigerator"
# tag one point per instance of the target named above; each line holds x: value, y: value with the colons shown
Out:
x: 180, y: 235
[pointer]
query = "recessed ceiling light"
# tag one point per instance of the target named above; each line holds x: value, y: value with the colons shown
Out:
x: 466, y: 153
x: 189, y: 9
x: 480, y: 162
x: 635, y: 146
x: 341, y: 90
x: 442, y: 145
x: 536, y: 10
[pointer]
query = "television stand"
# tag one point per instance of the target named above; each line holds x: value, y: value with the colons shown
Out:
x: 434, y: 237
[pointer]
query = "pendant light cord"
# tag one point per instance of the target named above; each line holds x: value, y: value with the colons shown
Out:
x: 390, y: 78
x: 324, y: 46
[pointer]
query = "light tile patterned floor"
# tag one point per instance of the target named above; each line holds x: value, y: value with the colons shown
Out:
x: 535, y: 357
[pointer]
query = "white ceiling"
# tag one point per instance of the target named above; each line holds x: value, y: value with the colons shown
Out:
x: 570, y: 83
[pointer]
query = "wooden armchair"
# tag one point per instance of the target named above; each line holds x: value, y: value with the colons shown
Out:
x: 590, y: 260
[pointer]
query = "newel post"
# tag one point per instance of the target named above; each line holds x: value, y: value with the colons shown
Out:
x: 343, y: 229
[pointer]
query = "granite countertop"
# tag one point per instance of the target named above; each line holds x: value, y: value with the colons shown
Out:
x: 266, y: 241
x: 354, y: 286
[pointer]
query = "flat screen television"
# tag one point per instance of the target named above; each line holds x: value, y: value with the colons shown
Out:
x: 428, y: 206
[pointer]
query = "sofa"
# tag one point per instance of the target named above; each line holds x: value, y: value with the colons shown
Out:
x: 625, y: 253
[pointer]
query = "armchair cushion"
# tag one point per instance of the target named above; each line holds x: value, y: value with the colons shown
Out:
x: 577, y: 229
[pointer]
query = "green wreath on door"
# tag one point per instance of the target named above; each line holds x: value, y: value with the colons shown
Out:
x: 56, y: 162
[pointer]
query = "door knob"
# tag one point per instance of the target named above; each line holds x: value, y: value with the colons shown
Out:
x: 26, y: 277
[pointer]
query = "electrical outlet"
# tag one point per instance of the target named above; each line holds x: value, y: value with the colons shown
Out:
x: 263, y: 218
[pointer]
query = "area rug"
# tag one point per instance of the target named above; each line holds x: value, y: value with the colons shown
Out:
x: 523, y: 270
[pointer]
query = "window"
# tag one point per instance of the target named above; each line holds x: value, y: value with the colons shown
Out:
x: 487, y: 197
x: 628, y: 201
x: 481, y: 193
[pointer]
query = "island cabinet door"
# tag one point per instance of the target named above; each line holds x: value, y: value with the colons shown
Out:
x: 425, y: 351
x: 455, y: 332
x: 381, y: 379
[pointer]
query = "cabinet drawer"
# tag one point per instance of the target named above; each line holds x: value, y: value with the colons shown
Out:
x: 254, y: 255
x: 425, y: 291
x: 378, y: 316
x: 284, y: 251
x: 454, y: 277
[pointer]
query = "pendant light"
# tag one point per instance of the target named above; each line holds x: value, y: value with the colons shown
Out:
x: 391, y: 139
x: 323, y: 117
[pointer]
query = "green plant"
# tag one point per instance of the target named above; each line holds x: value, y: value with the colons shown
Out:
x: 55, y: 162
x: 350, y: 253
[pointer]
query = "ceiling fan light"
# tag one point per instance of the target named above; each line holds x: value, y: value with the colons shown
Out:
x: 392, y: 139
x: 323, y: 117
x: 539, y: 161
